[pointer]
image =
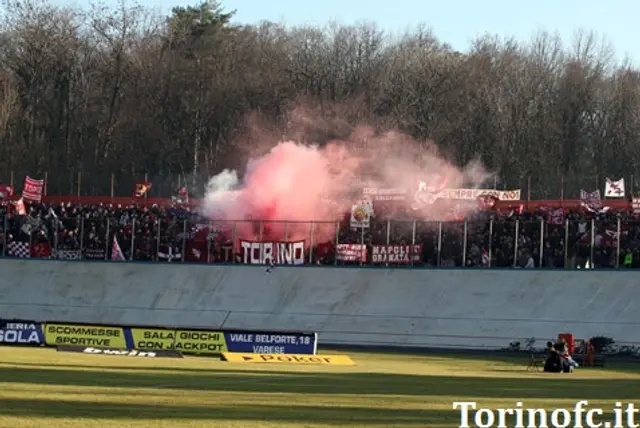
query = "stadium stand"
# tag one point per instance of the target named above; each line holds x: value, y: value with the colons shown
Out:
x: 486, y: 239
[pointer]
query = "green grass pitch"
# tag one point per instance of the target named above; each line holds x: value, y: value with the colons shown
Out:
x: 45, y: 388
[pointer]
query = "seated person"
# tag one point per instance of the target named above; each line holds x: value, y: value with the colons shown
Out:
x: 553, y: 363
x: 562, y: 348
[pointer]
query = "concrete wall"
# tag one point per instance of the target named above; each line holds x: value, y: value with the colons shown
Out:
x: 444, y: 308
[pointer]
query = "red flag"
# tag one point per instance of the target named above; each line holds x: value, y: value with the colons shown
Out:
x: 32, y: 189
x: 142, y: 189
x: 6, y: 191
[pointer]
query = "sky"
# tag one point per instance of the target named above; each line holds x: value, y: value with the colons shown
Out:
x: 455, y: 22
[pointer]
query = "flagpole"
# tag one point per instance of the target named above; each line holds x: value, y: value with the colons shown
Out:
x: 146, y: 181
x: 113, y: 182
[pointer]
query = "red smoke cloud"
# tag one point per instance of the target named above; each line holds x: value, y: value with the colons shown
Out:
x: 296, y: 183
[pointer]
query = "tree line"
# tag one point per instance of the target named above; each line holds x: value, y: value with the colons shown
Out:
x: 127, y: 91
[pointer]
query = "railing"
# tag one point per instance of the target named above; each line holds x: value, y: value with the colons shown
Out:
x: 183, y: 238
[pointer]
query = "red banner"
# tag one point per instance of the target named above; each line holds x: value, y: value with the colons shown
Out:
x: 397, y: 254
x: 351, y: 252
x: 266, y: 253
x: 32, y: 189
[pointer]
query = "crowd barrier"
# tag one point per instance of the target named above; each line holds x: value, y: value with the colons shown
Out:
x: 156, y: 339
x: 480, y: 242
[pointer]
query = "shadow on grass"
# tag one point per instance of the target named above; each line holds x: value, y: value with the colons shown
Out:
x: 543, y: 386
x: 257, y: 412
x: 326, y: 415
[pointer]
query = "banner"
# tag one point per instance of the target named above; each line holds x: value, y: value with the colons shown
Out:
x: 32, y: 189
x: 397, y: 254
x: 186, y: 341
x: 183, y: 341
x: 217, y: 342
x: 392, y: 194
x: 20, y: 332
x: 84, y: 335
x: 67, y: 254
x: 361, y: 214
x: 614, y: 189
x: 120, y: 352
x: 277, y: 253
x: 473, y: 194
x: 351, y: 252
x: 271, y: 343
x: 336, y: 360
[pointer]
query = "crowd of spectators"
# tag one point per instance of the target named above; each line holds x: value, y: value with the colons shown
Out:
x: 581, y: 239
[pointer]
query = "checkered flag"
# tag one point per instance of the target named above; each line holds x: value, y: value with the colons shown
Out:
x: 20, y: 250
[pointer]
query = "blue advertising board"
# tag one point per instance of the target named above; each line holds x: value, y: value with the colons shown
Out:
x: 21, y: 332
x: 271, y: 343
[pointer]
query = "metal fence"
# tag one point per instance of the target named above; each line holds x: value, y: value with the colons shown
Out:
x: 181, y: 237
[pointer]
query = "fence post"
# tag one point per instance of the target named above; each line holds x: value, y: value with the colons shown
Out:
x: 464, y: 244
x: 566, y: 242
x: 413, y: 240
x: 618, y: 243
x: 107, y: 240
x: 388, y: 240
x: 56, y: 234
x: 5, y: 226
x: 79, y: 183
x: 261, y: 222
x: 311, y: 231
x: 335, y: 259
x: 286, y: 231
x: 184, y: 238
x: 233, y: 241
x: 438, y: 261
x: 490, y: 241
x: 541, y: 243
x: 158, y: 238
x: 362, y: 247
x: 133, y: 239
x: 592, y: 243
x: 81, y: 237
x: 515, y: 244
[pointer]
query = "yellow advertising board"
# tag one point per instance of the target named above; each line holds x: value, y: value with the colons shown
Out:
x: 333, y: 360
x: 84, y: 335
x: 186, y: 341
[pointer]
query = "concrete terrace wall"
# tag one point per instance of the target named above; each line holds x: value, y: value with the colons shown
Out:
x: 432, y: 308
